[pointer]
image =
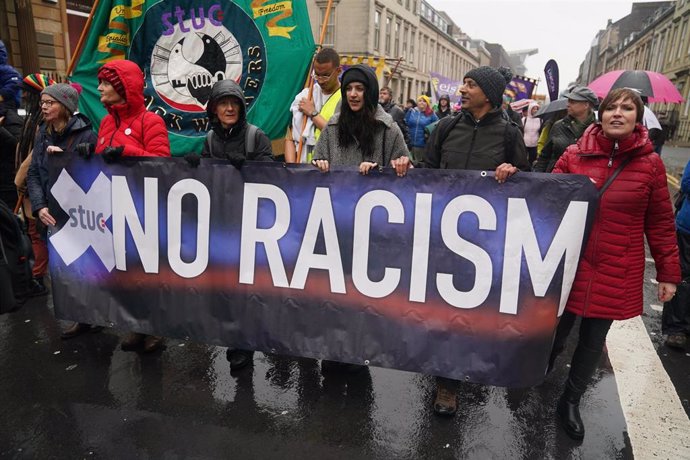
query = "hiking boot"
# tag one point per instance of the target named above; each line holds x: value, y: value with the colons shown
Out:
x: 37, y: 288
x: 75, y: 330
x: 152, y: 343
x: 446, y: 403
x: 677, y: 340
x: 239, y: 359
x: 133, y: 341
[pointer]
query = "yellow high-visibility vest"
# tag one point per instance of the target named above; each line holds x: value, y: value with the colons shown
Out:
x: 328, y: 109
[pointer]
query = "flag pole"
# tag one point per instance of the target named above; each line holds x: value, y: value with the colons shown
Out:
x: 82, y: 37
x: 395, y: 69
x: 322, y: 37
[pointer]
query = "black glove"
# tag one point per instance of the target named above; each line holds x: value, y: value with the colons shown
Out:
x: 85, y: 150
x: 192, y: 160
x: 111, y: 154
x: 236, y: 160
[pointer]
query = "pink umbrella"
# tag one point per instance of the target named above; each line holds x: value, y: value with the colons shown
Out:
x: 657, y: 87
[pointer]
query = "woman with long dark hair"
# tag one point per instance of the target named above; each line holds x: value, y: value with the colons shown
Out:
x: 363, y: 134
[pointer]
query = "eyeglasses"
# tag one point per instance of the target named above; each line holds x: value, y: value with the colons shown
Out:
x: 47, y: 103
x: 316, y: 76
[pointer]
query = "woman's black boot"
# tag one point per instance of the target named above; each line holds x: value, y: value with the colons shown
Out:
x: 568, y: 411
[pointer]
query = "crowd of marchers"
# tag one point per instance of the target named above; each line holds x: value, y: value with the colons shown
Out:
x: 347, y: 120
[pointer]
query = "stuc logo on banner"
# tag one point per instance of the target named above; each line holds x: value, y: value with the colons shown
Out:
x: 88, y: 213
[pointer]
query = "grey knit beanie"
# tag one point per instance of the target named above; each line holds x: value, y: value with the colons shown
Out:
x: 64, y: 94
x: 492, y: 81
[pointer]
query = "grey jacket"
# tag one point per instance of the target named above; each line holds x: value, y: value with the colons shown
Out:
x: 388, y: 143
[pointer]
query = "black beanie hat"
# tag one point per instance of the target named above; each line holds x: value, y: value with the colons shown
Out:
x: 492, y: 81
x: 365, y: 75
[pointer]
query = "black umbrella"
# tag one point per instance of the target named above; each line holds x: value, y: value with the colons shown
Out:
x: 552, y: 107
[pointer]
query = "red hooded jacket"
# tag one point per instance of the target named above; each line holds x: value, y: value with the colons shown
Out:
x: 609, y: 278
x: 142, y: 133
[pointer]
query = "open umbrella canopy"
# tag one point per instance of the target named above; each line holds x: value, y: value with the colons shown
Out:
x: 553, y: 107
x: 657, y: 87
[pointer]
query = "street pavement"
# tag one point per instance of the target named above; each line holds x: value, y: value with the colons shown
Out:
x: 86, y: 398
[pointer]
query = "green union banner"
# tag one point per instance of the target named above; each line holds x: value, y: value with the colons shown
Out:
x: 185, y: 46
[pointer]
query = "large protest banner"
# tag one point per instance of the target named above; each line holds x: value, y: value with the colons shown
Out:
x: 442, y: 272
x: 185, y: 46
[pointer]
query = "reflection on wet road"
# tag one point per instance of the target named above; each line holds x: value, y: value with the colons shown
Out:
x: 85, y: 397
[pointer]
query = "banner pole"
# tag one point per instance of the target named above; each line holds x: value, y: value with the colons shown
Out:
x: 395, y: 69
x: 322, y: 37
x: 80, y: 43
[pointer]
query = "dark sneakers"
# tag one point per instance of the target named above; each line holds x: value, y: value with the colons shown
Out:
x: 239, y: 359
x: 446, y: 402
x: 135, y: 341
x: 78, y: 329
x: 132, y: 341
x: 676, y: 340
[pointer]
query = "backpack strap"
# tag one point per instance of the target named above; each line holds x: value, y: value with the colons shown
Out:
x: 509, y: 140
x: 209, y: 139
x: 250, y: 140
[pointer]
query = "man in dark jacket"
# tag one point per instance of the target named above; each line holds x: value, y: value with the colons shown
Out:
x: 581, y: 104
x: 392, y: 109
x: 480, y: 137
x: 232, y: 138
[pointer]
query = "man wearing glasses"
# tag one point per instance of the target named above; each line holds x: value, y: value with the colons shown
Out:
x: 324, y: 103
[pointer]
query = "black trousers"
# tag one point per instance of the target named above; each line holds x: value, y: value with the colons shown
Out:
x: 676, y: 314
x: 590, y: 344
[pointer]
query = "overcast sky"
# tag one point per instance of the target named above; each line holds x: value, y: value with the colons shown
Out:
x: 561, y: 29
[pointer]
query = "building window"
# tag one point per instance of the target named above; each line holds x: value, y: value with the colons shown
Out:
x: 389, y: 20
x: 681, y: 39
x: 329, y: 39
x: 407, y: 5
x: 406, y: 34
x: 412, y: 38
x: 671, y: 43
x: 397, y: 38
x: 377, y: 29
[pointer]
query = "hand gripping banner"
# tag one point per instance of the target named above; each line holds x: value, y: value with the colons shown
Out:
x: 441, y: 272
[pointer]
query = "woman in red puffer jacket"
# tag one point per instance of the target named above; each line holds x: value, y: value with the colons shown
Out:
x: 129, y: 130
x: 609, y: 280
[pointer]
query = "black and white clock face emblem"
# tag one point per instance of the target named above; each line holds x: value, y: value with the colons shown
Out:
x: 187, y: 63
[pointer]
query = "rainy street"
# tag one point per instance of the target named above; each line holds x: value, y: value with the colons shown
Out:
x: 86, y: 398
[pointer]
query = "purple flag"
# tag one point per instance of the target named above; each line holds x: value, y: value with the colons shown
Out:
x: 445, y: 86
x: 520, y: 88
x: 551, y: 73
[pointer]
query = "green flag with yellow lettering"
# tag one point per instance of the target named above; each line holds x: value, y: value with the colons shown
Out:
x: 185, y: 46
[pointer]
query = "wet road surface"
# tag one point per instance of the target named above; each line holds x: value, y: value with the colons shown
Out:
x: 85, y: 398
